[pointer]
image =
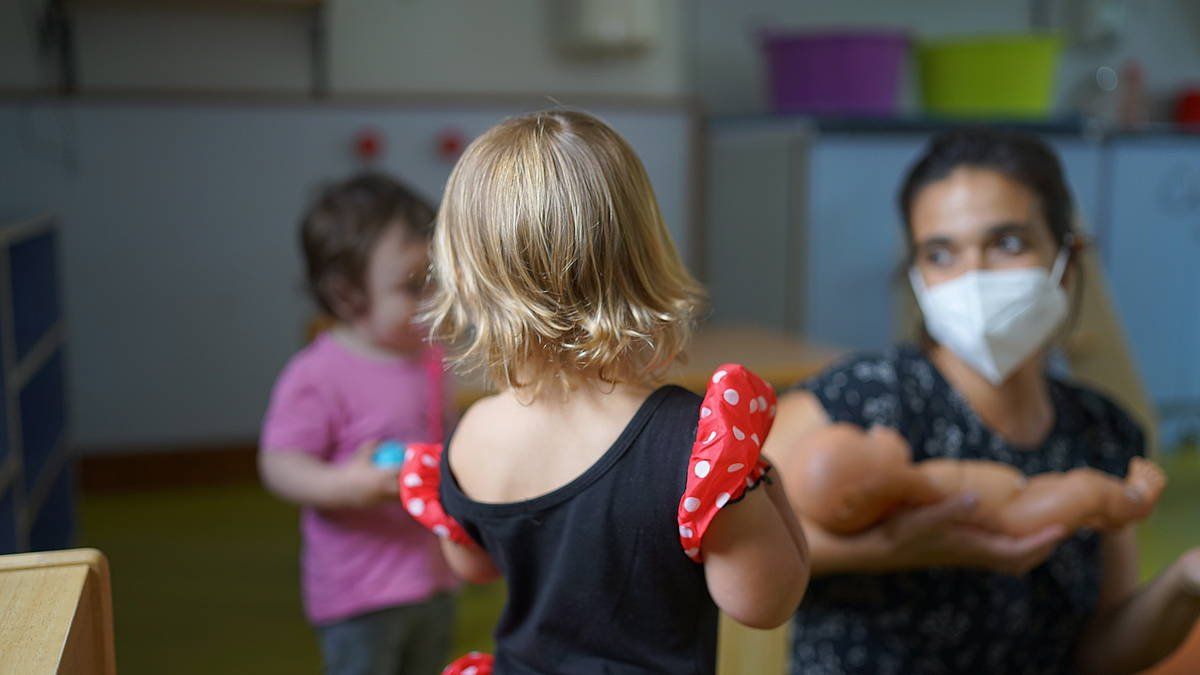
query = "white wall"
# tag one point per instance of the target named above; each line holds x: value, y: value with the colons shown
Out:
x: 19, y: 67
x: 181, y: 267
x: 388, y: 46
x: 181, y: 289
x: 473, y: 46
x: 1163, y: 35
x: 222, y: 48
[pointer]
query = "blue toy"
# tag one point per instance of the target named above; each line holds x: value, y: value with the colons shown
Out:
x: 389, y: 455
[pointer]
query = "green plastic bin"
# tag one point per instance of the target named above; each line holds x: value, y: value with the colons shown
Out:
x: 998, y: 76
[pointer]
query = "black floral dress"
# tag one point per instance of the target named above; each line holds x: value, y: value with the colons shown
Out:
x: 955, y: 620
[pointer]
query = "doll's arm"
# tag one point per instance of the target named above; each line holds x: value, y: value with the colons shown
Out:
x: 845, y: 479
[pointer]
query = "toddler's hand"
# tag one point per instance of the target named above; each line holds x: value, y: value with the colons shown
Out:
x: 364, y: 483
x: 1191, y: 569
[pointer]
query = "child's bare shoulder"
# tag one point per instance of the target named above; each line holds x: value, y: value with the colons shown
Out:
x: 486, y: 422
x: 486, y: 444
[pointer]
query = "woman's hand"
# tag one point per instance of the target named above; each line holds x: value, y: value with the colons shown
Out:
x: 1135, y: 627
x: 935, y: 536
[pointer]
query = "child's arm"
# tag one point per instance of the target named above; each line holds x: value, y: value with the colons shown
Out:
x: 302, y: 479
x: 754, y: 552
x: 756, y: 559
x: 420, y: 490
x: 470, y: 563
x: 298, y: 429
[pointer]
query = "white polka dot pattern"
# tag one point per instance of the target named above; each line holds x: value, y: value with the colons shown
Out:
x: 726, y: 457
x: 420, y: 478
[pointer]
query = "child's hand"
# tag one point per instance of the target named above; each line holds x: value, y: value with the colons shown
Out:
x: 364, y: 483
x: 1191, y: 571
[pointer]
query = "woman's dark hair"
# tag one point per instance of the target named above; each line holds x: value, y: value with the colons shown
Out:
x: 340, y: 229
x: 1021, y: 157
x: 1018, y: 156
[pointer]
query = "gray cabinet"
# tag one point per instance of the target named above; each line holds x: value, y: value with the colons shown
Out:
x: 1151, y: 250
x: 853, y: 239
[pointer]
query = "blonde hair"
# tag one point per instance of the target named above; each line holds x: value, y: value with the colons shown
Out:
x: 551, y: 260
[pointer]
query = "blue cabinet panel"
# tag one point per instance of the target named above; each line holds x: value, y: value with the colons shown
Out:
x: 854, y: 242
x: 1152, y: 256
x: 35, y: 289
x: 37, y: 503
x: 8, y: 522
x: 43, y: 416
x: 54, y: 525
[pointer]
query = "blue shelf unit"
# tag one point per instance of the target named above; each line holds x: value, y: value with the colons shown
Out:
x: 37, y: 485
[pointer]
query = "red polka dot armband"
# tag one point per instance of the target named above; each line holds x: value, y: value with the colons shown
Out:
x: 736, y: 415
x: 419, y: 479
x: 473, y: 663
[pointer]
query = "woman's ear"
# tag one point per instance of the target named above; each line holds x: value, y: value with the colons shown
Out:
x: 1075, y: 244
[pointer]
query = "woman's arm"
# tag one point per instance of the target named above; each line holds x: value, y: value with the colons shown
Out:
x: 927, y: 536
x: 1134, y: 628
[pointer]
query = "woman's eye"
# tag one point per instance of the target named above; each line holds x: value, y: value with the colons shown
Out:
x: 939, y: 257
x: 1011, y: 244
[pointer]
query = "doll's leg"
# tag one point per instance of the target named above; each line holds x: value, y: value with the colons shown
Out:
x: 993, y: 483
x: 1135, y: 498
x: 1085, y: 498
x: 1069, y: 499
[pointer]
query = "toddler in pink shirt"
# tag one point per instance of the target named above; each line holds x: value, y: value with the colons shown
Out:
x: 374, y: 581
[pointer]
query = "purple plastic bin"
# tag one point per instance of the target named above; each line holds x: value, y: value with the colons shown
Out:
x: 855, y: 72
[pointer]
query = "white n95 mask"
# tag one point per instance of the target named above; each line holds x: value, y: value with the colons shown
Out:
x: 994, y: 319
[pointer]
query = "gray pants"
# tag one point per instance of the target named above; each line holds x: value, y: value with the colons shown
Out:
x: 405, y: 640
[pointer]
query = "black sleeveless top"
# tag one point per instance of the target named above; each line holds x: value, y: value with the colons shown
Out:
x: 957, y: 620
x: 597, y: 579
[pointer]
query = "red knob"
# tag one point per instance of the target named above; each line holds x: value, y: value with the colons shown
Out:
x: 450, y: 144
x: 368, y: 144
x: 1187, y: 108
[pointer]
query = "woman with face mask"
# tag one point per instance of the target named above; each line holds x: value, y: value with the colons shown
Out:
x: 991, y: 249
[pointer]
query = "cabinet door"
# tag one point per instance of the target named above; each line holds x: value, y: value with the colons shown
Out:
x: 34, y: 283
x: 1151, y: 254
x: 43, y: 407
x: 853, y: 242
x: 1081, y: 163
x: 750, y: 187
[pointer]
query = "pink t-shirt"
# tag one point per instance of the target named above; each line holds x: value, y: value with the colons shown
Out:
x: 327, y: 402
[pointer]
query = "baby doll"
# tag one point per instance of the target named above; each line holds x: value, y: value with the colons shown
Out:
x: 848, y: 479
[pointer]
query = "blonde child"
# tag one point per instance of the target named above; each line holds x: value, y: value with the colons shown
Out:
x: 556, y: 275
x: 375, y: 585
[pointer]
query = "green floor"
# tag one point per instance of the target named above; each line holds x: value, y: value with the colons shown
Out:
x: 205, y: 580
